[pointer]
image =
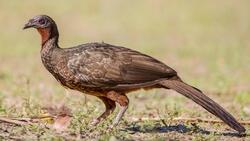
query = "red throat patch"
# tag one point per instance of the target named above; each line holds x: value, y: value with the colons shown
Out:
x: 45, y: 34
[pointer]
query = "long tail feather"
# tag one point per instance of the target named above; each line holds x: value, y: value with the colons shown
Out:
x: 204, y: 101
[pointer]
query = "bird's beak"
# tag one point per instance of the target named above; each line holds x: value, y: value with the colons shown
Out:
x: 29, y: 24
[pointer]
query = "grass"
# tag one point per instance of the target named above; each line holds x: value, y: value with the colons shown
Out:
x: 207, y: 42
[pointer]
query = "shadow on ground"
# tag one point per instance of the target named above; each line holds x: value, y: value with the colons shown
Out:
x: 180, y: 128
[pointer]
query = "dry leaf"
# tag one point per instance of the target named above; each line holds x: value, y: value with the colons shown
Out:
x: 61, y: 117
x: 62, y: 122
x: 58, y: 118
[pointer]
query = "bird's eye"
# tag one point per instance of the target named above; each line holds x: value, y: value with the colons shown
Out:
x: 42, y: 21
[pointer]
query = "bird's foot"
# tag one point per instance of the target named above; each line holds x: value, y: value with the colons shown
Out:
x: 94, y: 122
x: 113, y: 125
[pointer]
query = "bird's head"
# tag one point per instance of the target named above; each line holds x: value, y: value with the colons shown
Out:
x: 40, y: 22
x: 45, y: 25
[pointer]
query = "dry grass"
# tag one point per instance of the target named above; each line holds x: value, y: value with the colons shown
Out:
x: 207, y: 42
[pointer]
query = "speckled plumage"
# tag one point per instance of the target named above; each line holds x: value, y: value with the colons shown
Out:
x: 109, y: 72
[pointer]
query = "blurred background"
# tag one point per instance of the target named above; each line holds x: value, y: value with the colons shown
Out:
x: 207, y: 42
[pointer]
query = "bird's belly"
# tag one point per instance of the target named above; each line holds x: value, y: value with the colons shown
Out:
x: 70, y: 82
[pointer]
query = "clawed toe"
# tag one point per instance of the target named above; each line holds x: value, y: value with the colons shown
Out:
x: 94, y: 122
x: 111, y: 127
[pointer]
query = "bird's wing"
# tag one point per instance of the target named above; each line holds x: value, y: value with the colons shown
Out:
x: 104, y: 65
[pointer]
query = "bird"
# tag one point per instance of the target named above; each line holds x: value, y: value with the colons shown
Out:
x: 110, y: 72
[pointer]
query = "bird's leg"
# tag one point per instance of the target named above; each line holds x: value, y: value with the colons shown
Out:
x: 119, y: 115
x: 110, y: 107
x: 123, y: 102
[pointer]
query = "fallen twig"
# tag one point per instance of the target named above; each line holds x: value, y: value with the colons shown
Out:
x: 23, y: 121
x: 13, y: 121
x: 57, y: 118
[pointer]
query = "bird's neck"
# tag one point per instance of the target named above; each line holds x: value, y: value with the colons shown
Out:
x: 49, y: 46
x: 47, y: 34
x: 49, y: 42
x: 49, y: 50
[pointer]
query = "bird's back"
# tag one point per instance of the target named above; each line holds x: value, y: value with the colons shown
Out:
x: 101, y: 65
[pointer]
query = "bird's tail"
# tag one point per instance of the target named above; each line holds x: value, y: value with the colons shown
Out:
x: 198, y: 97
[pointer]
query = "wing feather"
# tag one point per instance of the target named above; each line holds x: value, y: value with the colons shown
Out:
x: 104, y: 65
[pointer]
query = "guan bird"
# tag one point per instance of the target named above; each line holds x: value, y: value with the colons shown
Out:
x: 109, y: 72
